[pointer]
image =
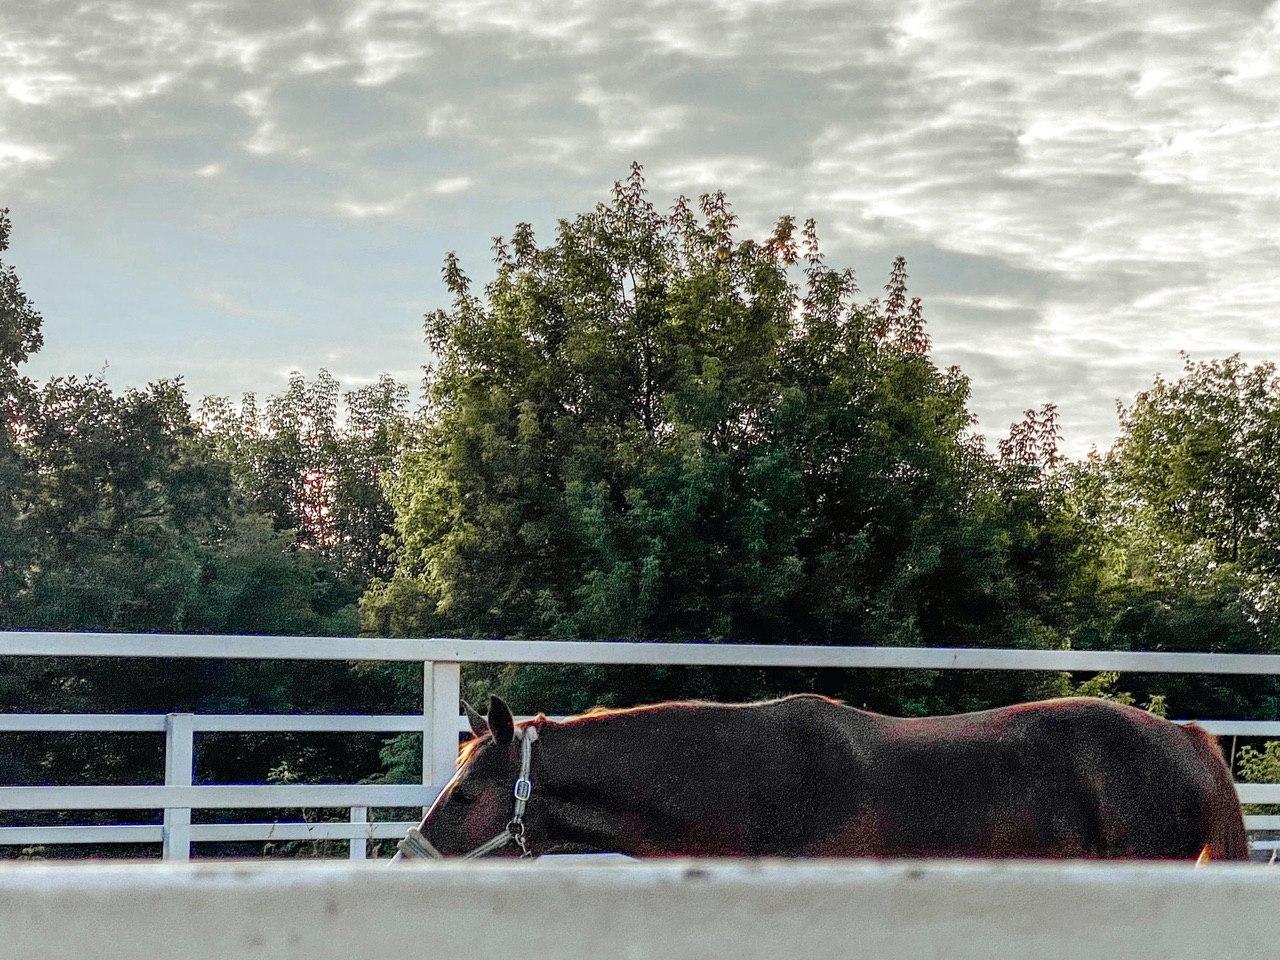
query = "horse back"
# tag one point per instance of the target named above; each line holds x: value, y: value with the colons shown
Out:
x: 1070, y: 777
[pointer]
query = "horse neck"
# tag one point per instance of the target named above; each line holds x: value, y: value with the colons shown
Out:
x: 647, y: 783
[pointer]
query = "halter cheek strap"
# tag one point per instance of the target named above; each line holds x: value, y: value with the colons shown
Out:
x: 415, y: 846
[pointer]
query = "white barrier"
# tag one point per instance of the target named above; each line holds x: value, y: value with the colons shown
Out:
x: 440, y: 649
x: 668, y: 911
x: 440, y: 723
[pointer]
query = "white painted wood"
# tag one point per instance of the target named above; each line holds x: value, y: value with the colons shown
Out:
x: 124, y: 833
x: 665, y: 911
x: 1239, y: 728
x: 179, y: 771
x: 86, y: 722
x: 208, y: 723
x: 25, y: 643
x: 1258, y: 792
x: 380, y: 830
x: 441, y: 698
x: 311, y: 723
x: 428, y: 713
x: 260, y: 796
x: 205, y: 832
x: 358, y: 845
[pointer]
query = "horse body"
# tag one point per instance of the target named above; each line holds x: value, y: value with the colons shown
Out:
x: 807, y: 776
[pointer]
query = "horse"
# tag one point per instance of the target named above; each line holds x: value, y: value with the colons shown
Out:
x: 807, y: 776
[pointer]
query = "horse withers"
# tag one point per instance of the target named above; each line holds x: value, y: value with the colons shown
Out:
x: 806, y: 776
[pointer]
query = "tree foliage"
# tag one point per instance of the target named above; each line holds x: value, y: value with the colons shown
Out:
x: 314, y: 460
x: 1184, y: 517
x: 1192, y: 486
x: 652, y: 428
x: 118, y: 512
x: 20, y: 322
x: 646, y: 426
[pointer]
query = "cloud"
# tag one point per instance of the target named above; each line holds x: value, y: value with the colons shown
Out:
x: 443, y: 187
x: 628, y: 121
x: 449, y: 185
x: 1081, y: 192
x: 385, y: 60
x: 18, y: 153
x: 361, y: 211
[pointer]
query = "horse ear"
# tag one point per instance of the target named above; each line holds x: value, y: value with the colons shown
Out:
x: 501, y: 724
x: 478, y: 726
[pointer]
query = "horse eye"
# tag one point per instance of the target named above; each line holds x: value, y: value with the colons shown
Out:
x: 463, y: 799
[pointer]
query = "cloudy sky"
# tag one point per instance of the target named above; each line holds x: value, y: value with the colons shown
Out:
x: 229, y: 189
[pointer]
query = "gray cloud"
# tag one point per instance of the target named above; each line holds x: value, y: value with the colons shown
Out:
x: 1081, y: 190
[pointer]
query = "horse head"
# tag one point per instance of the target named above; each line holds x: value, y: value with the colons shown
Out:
x: 481, y: 810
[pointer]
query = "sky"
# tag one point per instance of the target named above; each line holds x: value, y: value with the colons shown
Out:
x: 231, y: 189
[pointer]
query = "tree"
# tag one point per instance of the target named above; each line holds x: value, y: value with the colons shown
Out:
x: 20, y: 322
x: 314, y: 460
x: 1185, y: 514
x: 20, y: 336
x: 652, y: 429
x: 1198, y: 467
x: 117, y: 513
x: 128, y: 524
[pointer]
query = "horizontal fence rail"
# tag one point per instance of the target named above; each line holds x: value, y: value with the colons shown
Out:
x: 211, y: 832
x: 216, y: 723
x: 234, y: 647
x: 440, y: 722
x: 221, y: 797
x: 647, y: 911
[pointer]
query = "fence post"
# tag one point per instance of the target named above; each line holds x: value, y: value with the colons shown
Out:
x: 441, y: 695
x: 358, y: 847
x: 179, y: 762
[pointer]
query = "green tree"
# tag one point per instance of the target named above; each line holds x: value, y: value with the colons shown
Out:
x: 650, y: 428
x: 20, y: 336
x: 118, y: 513
x: 130, y: 525
x: 1185, y: 514
x: 20, y: 322
x: 314, y: 460
x: 1197, y: 467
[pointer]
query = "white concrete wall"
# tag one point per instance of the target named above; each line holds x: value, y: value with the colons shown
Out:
x: 667, y: 911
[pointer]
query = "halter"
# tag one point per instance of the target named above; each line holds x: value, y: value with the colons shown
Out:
x: 415, y: 846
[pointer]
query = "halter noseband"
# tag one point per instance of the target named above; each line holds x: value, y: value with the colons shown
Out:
x: 415, y: 846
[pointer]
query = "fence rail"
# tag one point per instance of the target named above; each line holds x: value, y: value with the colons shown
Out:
x: 212, y: 832
x: 647, y: 911
x: 440, y: 722
x: 235, y: 647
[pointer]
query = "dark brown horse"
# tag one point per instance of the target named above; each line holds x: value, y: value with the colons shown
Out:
x: 806, y: 776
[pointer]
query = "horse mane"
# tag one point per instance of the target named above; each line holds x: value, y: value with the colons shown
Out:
x: 679, y: 706
x: 468, y: 748
x: 593, y: 714
x: 644, y: 709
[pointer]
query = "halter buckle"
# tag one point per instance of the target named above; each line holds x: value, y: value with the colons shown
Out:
x: 523, y: 789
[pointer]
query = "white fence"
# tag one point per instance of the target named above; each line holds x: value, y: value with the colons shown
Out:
x: 440, y: 722
x: 649, y: 911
